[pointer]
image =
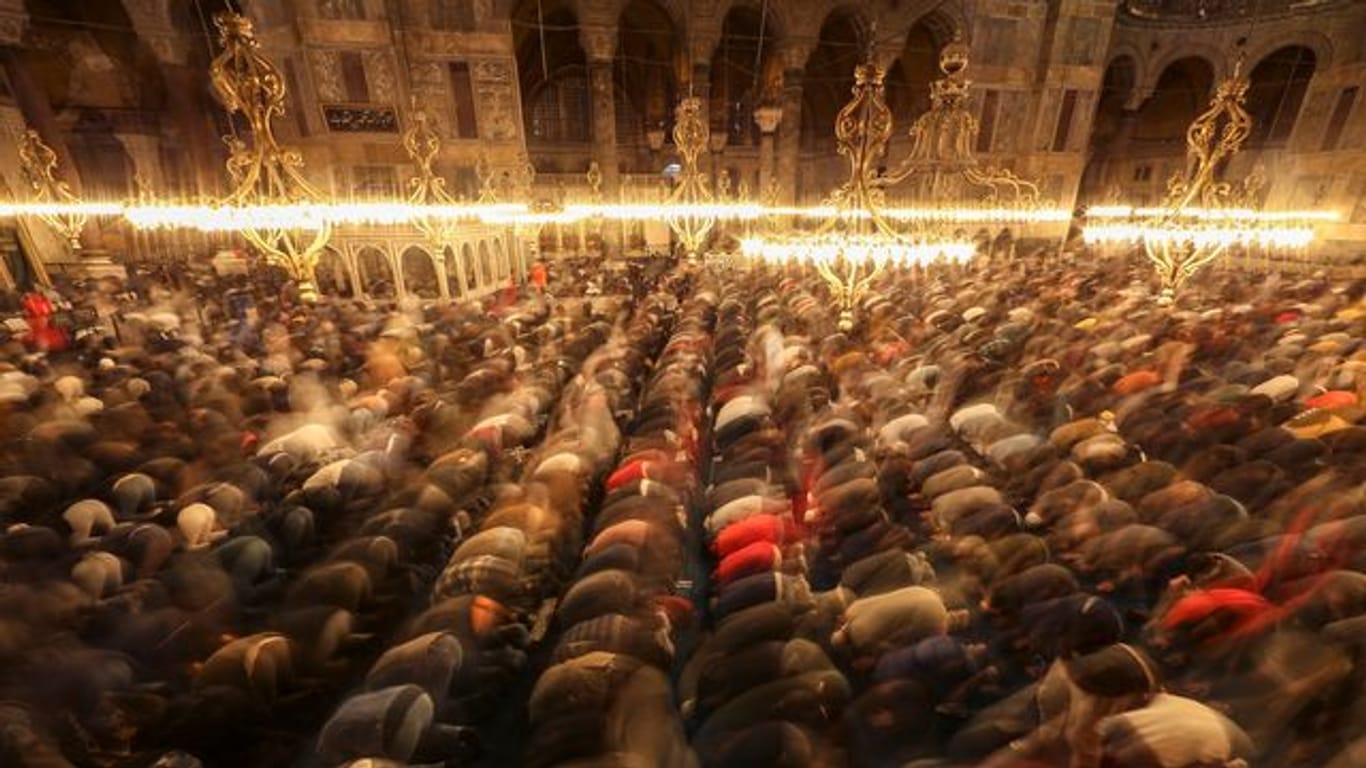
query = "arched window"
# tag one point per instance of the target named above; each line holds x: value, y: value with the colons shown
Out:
x: 559, y: 110
x: 552, y: 71
x: 504, y: 265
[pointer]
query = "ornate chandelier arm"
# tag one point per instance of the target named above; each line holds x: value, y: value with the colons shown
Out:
x: 38, y: 162
x: 1211, y: 140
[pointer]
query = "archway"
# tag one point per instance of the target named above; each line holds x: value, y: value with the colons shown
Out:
x: 1276, y: 90
x: 334, y: 279
x: 647, y: 65
x: 376, y: 274
x: 745, y: 72
x: 1182, y: 93
x: 419, y: 273
x: 909, y: 76
x: 553, y: 73
x: 1108, y: 132
x: 830, y: 76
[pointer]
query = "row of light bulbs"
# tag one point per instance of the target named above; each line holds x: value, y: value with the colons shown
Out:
x: 1206, y: 226
x: 306, y: 216
x: 877, y: 250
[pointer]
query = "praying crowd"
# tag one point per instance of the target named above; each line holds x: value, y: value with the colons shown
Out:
x: 1019, y: 515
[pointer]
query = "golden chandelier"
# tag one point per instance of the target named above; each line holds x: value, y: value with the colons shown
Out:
x: 861, y: 237
x: 691, y: 217
x: 1203, y: 214
x: 263, y: 173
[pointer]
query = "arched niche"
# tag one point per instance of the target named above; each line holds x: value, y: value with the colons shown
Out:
x: 1107, y: 132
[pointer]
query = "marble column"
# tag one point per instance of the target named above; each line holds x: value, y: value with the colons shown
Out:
x: 767, y: 118
x: 789, y: 135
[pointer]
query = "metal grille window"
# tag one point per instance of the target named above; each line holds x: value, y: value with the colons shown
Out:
x: 560, y: 110
x: 374, y: 181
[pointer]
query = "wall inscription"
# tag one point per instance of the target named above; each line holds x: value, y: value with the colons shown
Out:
x: 341, y: 118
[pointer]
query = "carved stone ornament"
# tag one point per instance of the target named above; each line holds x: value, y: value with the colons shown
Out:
x: 326, y: 75
x: 767, y: 118
x: 493, y: 86
x: 379, y: 73
x: 433, y: 93
x: 11, y: 29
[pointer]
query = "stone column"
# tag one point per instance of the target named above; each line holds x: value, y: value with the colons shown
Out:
x: 767, y: 118
x: 600, y: 44
x: 789, y: 138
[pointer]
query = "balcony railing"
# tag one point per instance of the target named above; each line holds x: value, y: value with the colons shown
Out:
x: 1213, y: 10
